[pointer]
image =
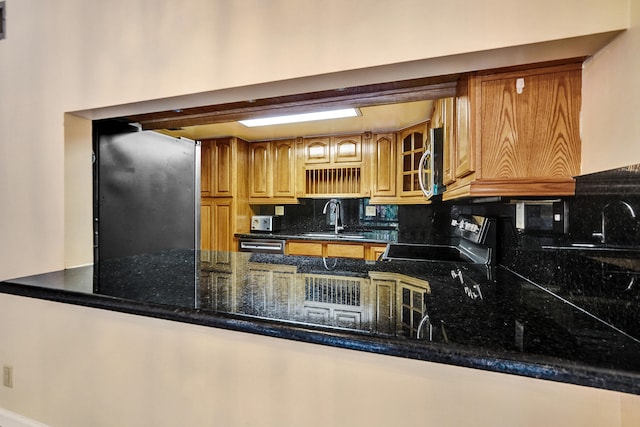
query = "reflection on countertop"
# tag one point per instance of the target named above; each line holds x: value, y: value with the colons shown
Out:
x: 547, y: 318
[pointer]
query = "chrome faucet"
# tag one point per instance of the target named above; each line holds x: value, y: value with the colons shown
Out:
x: 603, y: 214
x: 334, y: 206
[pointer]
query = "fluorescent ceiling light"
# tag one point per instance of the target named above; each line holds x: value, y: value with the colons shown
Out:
x: 297, y: 118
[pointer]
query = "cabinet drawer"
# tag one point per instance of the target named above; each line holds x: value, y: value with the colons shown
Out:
x: 304, y: 248
x: 345, y: 251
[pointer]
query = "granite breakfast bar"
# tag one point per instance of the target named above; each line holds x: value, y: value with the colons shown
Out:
x: 494, y: 319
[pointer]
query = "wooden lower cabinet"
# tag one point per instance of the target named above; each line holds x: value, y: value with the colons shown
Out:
x: 384, y: 302
x: 217, y: 291
x: 374, y: 252
x: 216, y: 221
x: 270, y: 290
x: 304, y: 248
x: 339, y: 250
x: 336, y: 300
x: 399, y: 302
x: 384, y: 287
x: 367, y: 251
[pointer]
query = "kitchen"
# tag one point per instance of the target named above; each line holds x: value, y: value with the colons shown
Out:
x: 378, y: 152
x: 440, y: 272
x: 175, y: 346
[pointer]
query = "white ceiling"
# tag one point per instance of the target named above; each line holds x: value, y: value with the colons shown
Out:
x: 375, y: 119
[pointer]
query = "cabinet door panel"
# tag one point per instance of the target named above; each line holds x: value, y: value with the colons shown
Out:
x: 555, y: 135
x: 316, y: 150
x: 223, y: 168
x: 385, y: 305
x: 206, y: 171
x: 534, y: 133
x: 284, y: 168
x: 347, y: 149
x: 411, y: 145
x: 500, y: 130
x: 304, y: 248
x: 222, y: 220
x: 345, y: 251
x: 384, y: 171
x: 206, y: 213
x: 260, y: 172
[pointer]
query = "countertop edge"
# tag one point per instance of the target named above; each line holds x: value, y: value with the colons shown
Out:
x: 299, y: 236
x: 625, y: 382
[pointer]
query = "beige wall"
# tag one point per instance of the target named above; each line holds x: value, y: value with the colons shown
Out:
x: 611, y: 104
x: 78, y: 367
x: 75, y: 366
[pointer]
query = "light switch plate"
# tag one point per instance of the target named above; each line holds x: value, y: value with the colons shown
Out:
x: 7, y: 376
x: 279, y: 210
x: 370, y: 211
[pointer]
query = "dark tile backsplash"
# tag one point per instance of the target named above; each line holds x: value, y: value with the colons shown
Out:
x: 615, y: 192
x: 619, y: 215
x: 308, y: 215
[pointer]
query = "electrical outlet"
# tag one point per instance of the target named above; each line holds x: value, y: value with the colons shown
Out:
x: 279, y: 210
x: 520, y: 220
x: 370, y: 211
x: 7, y: 376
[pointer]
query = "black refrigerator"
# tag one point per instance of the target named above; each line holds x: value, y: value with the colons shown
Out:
x: 146, y: 213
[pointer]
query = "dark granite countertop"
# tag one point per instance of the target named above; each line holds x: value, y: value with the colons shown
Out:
x: 531, y: 319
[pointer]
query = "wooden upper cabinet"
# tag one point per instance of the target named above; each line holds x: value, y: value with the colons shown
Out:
x: 518, y: 133
x: 316, y: 150
x: 272, y: 172
x: 260, y: 172
x: 334, y: 149
x: 216, y: 167
x: 537, y: 133
x: 223, y: 167
x: 284, y: 168
x: 347, y: 148
x: 332, y: 167
x: 411, y: 146
x: 384, y: 166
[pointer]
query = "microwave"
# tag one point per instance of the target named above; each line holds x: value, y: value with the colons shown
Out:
x: 430, y: 172
x: 266, y: 223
